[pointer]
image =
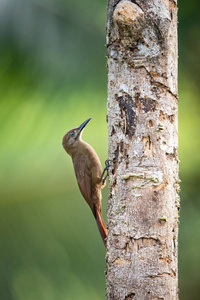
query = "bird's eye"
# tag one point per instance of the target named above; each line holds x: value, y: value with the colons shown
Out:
x: 72, y: 133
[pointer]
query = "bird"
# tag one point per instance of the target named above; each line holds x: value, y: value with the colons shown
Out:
x: 88, y: 171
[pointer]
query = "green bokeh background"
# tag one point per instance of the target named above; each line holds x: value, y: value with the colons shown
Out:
x: 52, y: 78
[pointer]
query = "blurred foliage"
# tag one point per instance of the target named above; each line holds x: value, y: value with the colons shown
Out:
x: 53, y: 77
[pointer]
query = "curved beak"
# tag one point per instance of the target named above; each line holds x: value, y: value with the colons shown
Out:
x: 84, y: 124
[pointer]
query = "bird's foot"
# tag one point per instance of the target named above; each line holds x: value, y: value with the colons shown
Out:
x: 107, y: 165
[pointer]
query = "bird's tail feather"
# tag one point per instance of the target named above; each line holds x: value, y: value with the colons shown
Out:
x: 101, y: 225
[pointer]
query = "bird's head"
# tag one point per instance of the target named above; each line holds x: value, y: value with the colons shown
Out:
x: 72, y: 137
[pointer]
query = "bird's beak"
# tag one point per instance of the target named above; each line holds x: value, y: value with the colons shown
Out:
x: 84, y: 124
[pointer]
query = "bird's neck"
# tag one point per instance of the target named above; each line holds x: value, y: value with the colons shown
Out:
x: 80, y: 147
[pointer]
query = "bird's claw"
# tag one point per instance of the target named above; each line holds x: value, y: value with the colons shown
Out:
x: 107, y: 163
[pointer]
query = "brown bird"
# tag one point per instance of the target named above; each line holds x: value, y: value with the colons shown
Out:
x: 88, y: 172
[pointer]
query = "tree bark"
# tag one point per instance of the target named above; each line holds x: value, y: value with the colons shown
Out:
x: 143, y: 203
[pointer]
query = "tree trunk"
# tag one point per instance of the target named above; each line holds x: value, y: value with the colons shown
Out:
x: 143, y: 203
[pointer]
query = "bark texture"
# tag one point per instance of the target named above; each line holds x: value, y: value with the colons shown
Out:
x: 143, y: 203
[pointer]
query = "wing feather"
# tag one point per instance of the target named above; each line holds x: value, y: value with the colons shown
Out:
x: 84, y: 178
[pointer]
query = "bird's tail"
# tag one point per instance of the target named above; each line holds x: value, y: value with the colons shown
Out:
x: 101, y: 225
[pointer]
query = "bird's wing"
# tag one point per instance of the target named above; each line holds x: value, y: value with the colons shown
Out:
x: 84, y: 178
